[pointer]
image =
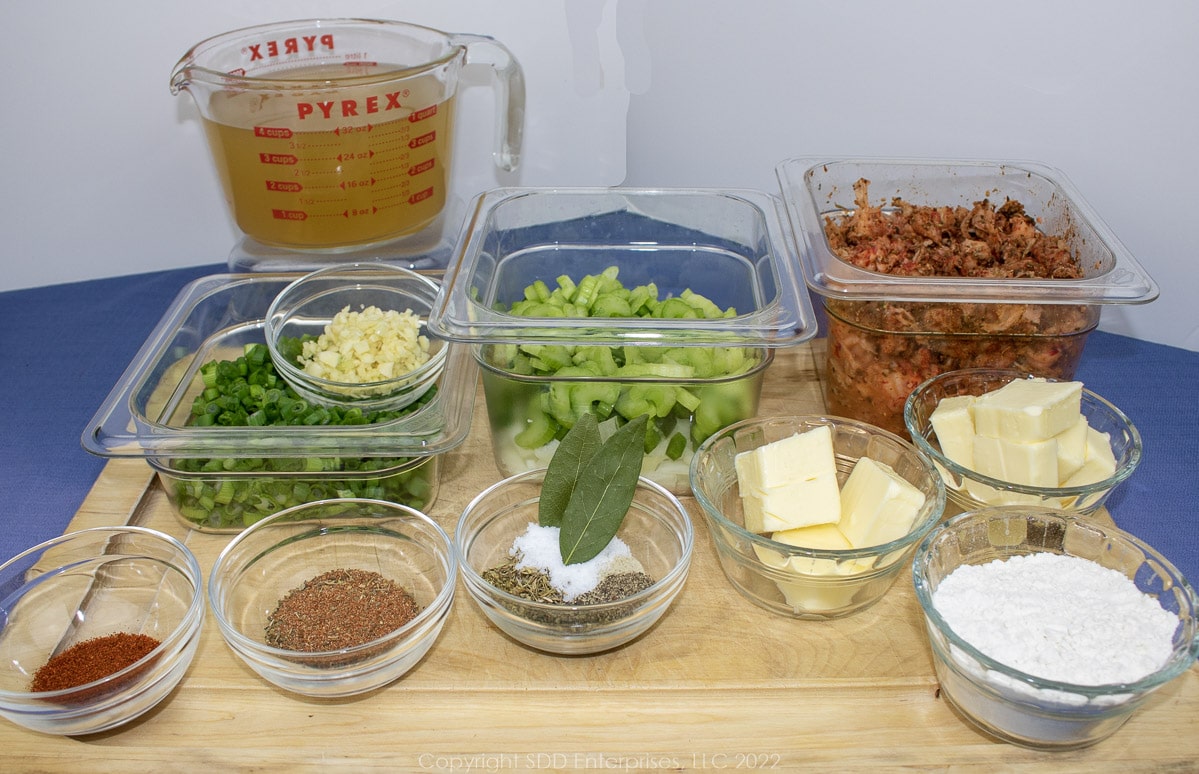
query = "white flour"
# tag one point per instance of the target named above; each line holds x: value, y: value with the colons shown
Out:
x: 1058, y: 617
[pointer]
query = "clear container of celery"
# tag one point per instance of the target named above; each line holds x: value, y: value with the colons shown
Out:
x: 621, y: 302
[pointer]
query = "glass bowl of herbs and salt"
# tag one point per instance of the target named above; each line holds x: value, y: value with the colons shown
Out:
x: 337, y: 597
x: 1048, y: 630
x: 522, y: 571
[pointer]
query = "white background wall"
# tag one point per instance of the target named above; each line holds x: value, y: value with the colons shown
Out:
x: 106, y: 173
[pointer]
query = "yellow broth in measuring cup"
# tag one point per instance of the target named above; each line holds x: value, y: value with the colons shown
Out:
x: 330, y: 134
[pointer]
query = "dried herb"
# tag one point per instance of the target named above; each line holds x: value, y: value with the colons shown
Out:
x: 603, y: 493
x: 525, y: 582
x: 570, y: 459
x: 533, y: 584
x: 614, y: 587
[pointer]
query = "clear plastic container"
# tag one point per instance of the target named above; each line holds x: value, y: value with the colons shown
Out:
x: 224, y: 478
x: 888, y: 333
x: 728, y: 246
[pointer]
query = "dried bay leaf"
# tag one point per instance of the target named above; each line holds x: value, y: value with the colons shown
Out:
x: 603, y: 493
x: 571, y: 457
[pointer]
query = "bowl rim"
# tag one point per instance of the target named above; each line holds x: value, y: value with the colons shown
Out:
x: 1124, y: 282
x: 1181, y: 658
x: 479, y: 351
x: 475, y: 582
x: 789, y: 551
x: 191, y: 621
x: 437, y: 607
x: 785, y: 320
x: 275, y: 312
x: 922, y: 442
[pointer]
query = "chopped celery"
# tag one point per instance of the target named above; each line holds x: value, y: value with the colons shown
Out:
x: 667, y: 383
x: 676, y: 446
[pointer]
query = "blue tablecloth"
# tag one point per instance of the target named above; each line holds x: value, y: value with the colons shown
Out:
x: 63, y: 348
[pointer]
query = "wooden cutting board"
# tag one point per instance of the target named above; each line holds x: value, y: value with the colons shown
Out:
x: 718, y: 684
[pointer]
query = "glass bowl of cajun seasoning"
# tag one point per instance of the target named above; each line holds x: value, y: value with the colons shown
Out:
x: 932, y: 265
x: 96, y: 628
x: 336, y: 597
x: 535, y: 598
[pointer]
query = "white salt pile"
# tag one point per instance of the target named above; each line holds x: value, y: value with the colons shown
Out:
x: 538, y: 549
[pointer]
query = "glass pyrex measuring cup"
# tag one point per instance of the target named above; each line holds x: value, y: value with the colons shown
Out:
x: 338, y: 133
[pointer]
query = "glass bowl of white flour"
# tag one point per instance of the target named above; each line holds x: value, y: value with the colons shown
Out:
x: 1048, y: 629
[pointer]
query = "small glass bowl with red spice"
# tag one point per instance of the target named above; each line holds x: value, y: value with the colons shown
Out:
x: 96, y: 628
x: 337, y: 597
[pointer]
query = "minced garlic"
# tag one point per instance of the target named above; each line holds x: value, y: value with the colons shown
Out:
x: 367, y: 346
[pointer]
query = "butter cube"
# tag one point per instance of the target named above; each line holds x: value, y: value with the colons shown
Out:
x: 953, y: 423
x: 823, y: 536
x: 992, y: 496
x: 877, y: 504
x: 1100, y: 460
x: 801, y: 456
x: 1029, y: 464
x: 819, y: 585
x: 789, y: 483
x: 819, y: 595
x: 1028, y: 410
x: 1072, y: 448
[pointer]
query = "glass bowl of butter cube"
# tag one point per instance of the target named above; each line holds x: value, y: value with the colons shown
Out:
x: 1001, y: 437
x: 814, y: 517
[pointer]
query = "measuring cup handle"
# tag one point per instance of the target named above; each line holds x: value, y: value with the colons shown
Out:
x: 509, y: 95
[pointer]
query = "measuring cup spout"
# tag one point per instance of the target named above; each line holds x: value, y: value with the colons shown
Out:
x: 179, y: 80
x: 509, y: 94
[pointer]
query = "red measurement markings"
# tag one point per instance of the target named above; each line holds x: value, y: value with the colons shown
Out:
x: 394, y: 127
x: 421, y: 195
x: 339, y: 131
x: 424, y: 139
x: 289, y: 215
x: 283, y: 186
x: 285, y: 159
x: 391, y: 144
x: 421, y: 115
x: 354, y: 213
x: 273, y: 132
x: 393, y: 189
x: 420, y: 168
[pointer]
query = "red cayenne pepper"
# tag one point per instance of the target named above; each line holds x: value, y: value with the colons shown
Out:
x: 91, y: 660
